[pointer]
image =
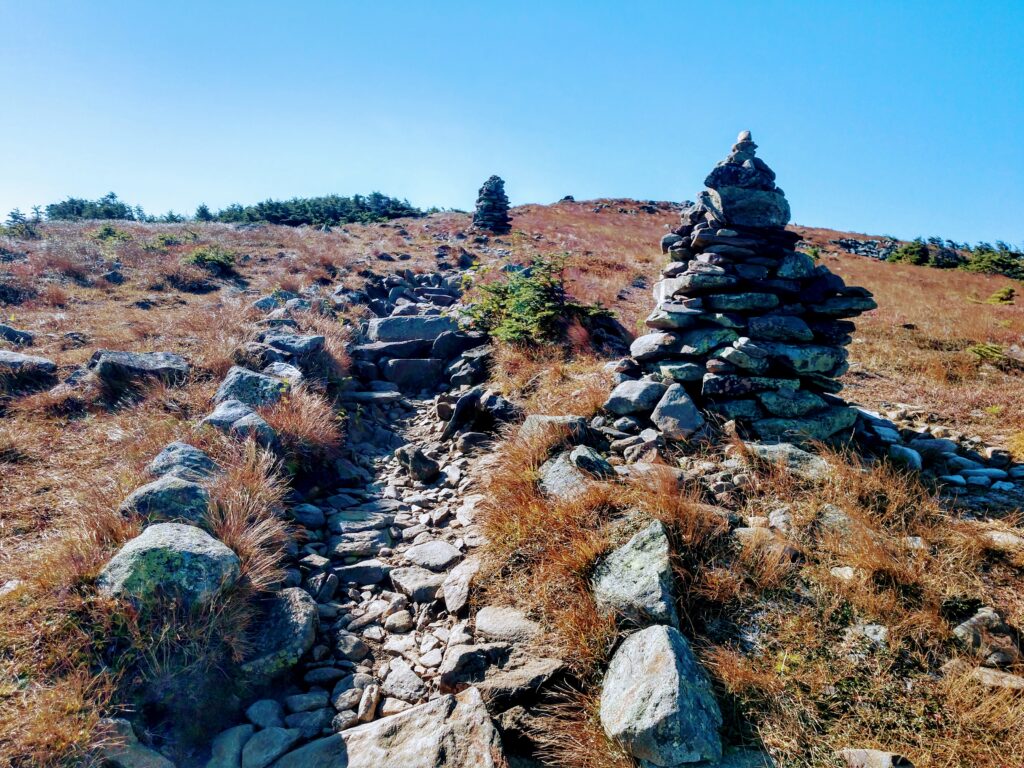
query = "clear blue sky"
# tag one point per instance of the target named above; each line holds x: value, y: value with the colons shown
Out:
x: 882, y: 117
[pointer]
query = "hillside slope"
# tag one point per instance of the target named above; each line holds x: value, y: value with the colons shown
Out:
x: 71, y: 454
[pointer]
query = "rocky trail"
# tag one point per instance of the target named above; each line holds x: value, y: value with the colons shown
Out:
x: 388, y: 567
x: 369, y: 653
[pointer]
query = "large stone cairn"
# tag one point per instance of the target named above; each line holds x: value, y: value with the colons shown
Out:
x: 750, y: 329
x: 492, y: 208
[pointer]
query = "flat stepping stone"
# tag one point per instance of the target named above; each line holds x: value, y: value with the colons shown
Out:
x: 433, y: 555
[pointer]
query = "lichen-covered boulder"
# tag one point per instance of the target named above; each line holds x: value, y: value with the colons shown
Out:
x: 169, y: 498
x: 251, y: 388
x: 635, y: 580
x: 120, y: 370
x: 182, y: 460
x: 657, y: 702
x: 286, y: 631
x: 172, y: 560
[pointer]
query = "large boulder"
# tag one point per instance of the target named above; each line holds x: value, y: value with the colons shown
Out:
x: 676, y: 414
x: 635, y: 397
x: 182, y: 460
x: 251, y: 388
x: 169, y: 498
x: 19, y: 370
x: 121, y: 370
x: 747, y: 207
x: 170, y: 559
x: 286, y: 631
x: 448, y: 732
x: 409, y: 327
x: 635, y: 580
x: 295, y: 345
x: 16, y: 337
x: 657, y: 702
x: 561, y: 479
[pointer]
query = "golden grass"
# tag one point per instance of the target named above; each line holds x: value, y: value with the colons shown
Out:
x: 548, y: 380
x: 308, y: 427
x: 795, y: 691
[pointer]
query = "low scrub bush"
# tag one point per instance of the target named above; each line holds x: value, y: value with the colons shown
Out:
x: 1002, y: 296
x: 110, y: 234
x: 528, y: 305
x: 213, y: 258
x: 914, y: 252
x: 996, y: 262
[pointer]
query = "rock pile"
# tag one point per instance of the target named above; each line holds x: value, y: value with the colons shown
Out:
x: 873, y: 249
x: 746, y: 329
x: 492, y: 208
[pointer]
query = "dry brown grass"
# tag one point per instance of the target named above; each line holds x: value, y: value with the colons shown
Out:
x: 58, y: 636
x: 547, y: 380
x: 929, y: 364
x: 790, y: 686
x: 65, y: 461
x: 308, y: 426
x: 800, y: 694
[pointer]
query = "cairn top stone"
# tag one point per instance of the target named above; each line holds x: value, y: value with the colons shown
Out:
x: 741, y: 190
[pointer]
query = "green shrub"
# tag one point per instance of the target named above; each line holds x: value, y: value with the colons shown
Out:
x: 528, y: 305
x: 214, y: 258
x: 914, y: 252
x: 110, y: 234
x: 20, y: 227
x: 1002, y: 296
x: 75, y: 209
x: 166, y: 240
x: 993, y: 262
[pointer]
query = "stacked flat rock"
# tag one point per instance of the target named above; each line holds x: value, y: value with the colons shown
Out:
x: 492, y: 208
x: 749, y: 329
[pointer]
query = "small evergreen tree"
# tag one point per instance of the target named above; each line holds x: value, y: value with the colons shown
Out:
x: 914, y: 252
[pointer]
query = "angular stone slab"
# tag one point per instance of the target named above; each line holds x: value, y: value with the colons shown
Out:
x: 635, y: 580
x: 448, y: 732
x: 410, y: 327
x: 250, y: 388
x: 657, y: 702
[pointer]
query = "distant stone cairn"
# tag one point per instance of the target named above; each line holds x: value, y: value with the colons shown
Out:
x: 492, y: 208
x: 752, y: 330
